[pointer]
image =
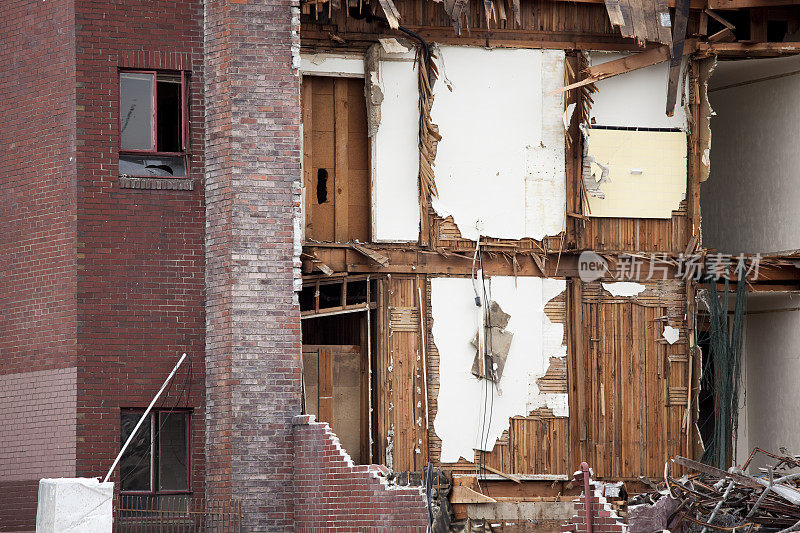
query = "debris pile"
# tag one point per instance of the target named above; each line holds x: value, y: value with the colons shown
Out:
x: 708, y: 499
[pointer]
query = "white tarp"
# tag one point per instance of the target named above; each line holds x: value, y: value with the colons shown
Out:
x: 74, y: 505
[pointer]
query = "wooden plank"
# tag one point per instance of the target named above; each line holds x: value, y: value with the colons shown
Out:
x: 513, y: 478
x: 628, y: 64
x: 341, y: 179
x: 325, y: 384
x: 678, y: 46
x: 758, y: 24
x: 663, y: 22
x: 720, y: 19
x: 463, y: 494
x: 743, y: 4
x: 307, y: 117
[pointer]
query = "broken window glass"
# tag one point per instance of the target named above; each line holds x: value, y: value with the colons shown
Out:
x: 152, y: 166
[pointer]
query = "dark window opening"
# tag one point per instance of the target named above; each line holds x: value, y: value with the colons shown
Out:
x: 322, y: 186
x: 152, y: 124
x: 157, y: 460
x: 169, y: 106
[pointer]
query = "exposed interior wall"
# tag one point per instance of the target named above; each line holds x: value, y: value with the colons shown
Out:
x: 635, y: 155
x: 638, y: 174
x: 461, y: 406
x: 634, y: 99
x: 772, y: 371
x: 395, y: 151
x: 749, y: 203
x: 500, y: 164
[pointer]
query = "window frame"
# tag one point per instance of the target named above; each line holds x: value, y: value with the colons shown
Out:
x: 155, y: 451
x: 184, y: 129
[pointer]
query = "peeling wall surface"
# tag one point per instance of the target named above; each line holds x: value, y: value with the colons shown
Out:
x: 749, y: 203
x: 634, y: 99
x: 461, y: 397
x: 641, y: 174
x: 395, y: 185
x: 772, y: 372
x: 500, y: 164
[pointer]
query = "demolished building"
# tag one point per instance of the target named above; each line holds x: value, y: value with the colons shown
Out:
x: 466, y: 236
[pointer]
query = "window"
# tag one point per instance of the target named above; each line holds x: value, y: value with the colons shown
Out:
x: 153, y: 123
x: 157, y: 459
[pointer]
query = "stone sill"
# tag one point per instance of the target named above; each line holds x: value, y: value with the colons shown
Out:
x: 162, y: 184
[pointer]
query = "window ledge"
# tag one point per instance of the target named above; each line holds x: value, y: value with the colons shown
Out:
x: 165, y: 184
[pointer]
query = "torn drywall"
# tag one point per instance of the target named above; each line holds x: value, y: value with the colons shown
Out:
x: 646, y: 175
x: 339, y: 65
x: 395, y: 153
x: 624, y: 288
x: 633, y: 99
x: 373, y: 93
x: 500, y: 163
x: 707, y: 67
x: 459, y: 417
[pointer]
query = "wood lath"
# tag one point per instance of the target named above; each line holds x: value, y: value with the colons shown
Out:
x: 628, y: 395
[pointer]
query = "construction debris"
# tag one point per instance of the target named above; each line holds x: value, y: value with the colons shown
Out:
x: 709, y: 499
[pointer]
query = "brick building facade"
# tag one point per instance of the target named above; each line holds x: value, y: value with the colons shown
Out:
x: 101, y: 277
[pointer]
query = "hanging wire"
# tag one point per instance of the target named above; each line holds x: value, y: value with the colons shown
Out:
x: 725, y: 356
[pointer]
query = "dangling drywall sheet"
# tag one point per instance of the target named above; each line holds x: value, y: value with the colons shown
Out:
x: 634, y: 99
x: 461, y: 406
x: 395, y: 155
x: 500, y: 164
x: 646, y: 172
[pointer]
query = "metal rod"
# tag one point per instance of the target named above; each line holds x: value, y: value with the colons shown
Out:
x: 587, y: 497
x: 147, y: 412
x: 719, y: 505
x: 369, y: 371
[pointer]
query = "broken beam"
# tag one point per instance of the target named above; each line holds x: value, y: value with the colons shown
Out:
x: 678, y: 46
x: 628, y: 64
x: 488, y: 468
x: 372, y: 254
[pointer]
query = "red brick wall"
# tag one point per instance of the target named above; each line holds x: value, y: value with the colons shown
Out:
x: 37, y: 175
x: 38, y: 272
x: 604, y: 518
x: 253, y: 200
x: 331, y: 492
x: 141, y: 254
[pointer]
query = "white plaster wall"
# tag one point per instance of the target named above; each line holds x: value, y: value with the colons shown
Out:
x: 772, y: 375
x: 395, y: 177
x: 461, y: 395
x: 500, y: 164
x: 637, y: 98
x: 750, y: 201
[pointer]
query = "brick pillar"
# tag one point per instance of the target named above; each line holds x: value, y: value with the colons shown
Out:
x: 253, y: 339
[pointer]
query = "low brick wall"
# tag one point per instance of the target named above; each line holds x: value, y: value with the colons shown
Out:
x: 604, y: 518
x: 332, y: 492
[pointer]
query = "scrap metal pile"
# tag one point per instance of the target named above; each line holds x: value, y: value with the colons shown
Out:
x: 708, y: 499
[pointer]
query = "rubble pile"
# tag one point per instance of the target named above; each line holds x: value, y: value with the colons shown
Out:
x: 707, y: 499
